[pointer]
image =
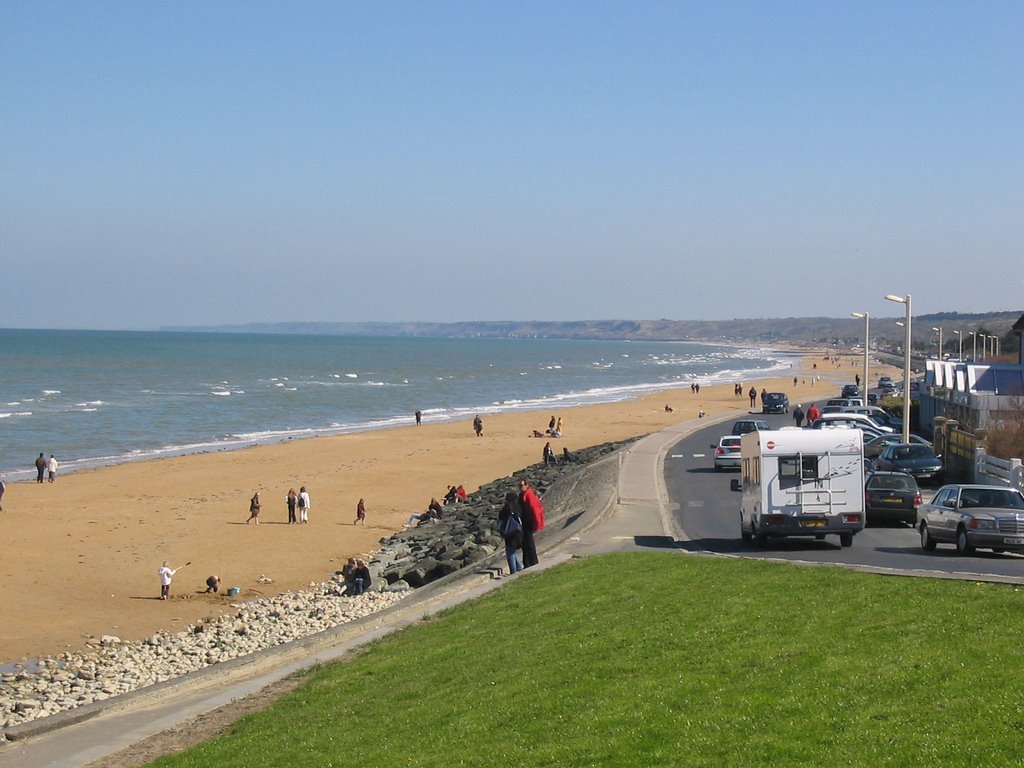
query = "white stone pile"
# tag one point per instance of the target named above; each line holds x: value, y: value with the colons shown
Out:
x: 75, y: 679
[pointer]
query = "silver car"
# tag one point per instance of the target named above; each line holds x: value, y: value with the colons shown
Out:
x: 727, y: 453
x: 973, y: 516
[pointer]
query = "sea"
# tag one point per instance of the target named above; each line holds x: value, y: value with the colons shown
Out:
x: 95, y: 398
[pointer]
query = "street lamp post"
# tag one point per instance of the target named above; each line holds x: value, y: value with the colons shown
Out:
x: 905, y: 300
x: 959, y: 346
x: 867, y: 325
x: 974, y: 341
x: 939, y: 331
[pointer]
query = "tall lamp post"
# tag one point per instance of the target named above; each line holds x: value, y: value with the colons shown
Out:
x: 959, y: 346
x: 867, y: 323
x: 939, y: 331
x: 905, y: 300
x: 974, y: 340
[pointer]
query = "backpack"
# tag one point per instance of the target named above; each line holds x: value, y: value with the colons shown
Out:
x: 302, y: 501
x: 510, y: 526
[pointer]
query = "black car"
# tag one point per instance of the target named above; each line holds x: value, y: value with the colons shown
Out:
x: 743, y: 426
x: 775, y: 402
x: 875, y: 445
x: 851, y: 390
x: 891, y: 496
x: 917, y: 460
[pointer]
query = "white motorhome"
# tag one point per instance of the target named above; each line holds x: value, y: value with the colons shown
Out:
x: 801, y: 482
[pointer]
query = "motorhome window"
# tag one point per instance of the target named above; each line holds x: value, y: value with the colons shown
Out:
x: 794, y: 470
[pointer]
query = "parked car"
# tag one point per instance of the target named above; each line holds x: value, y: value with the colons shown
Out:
x: 973, y: 516
x: 853, y: 419
x: 878, y: 415
x: 891, y: 496
x: 851, y: 390
x: 743, y: 426
x: 727, y: 453
x: 874, y: 445
x: 885, y: 381
x: 846, y: 402
x: 917, y: 460
x: 872, y: 398
x: 775, y: 402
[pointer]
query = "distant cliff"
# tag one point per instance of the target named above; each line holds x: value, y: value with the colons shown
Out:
x: 794, y: 330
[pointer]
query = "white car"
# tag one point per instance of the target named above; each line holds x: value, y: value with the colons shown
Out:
x: 727, y: 453
x: 857, y: 420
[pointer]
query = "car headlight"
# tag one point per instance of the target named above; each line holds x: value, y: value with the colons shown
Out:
x: 982, y: 525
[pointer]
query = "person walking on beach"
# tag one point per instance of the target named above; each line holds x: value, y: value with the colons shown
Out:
x: 254, y: 509
x: 798, y: 415
x: 41, y: 465
x: 510, y: 527
x: 478, y: 426
x: 753, y: 396
x: 533, y: 521
x: 360, y: 513
x: 292, y: 499
x: 51, y: 467
x: 558, y: 427
x: 419, y: 417
x: 303, y: 505
x: 2, y: 489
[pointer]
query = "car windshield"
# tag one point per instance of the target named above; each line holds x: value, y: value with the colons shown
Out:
x: 999, y: 498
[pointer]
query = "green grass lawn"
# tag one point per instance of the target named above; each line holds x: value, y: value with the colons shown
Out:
x: 662, y: 659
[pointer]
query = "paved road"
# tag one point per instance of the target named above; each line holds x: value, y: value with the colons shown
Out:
x: 708, y: 512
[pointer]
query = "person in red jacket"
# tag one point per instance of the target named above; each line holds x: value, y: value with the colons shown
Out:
x: 813, y: 413
x: 533, y: 521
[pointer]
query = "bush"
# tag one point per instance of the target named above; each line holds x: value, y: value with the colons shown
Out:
x: 1006, y: 439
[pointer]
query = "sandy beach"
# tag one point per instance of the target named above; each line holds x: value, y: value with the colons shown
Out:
x: 81, y: 554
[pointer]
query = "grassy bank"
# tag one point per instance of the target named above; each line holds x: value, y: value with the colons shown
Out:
x: 659, y: 659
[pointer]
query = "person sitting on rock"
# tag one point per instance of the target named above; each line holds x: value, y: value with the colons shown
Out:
x: 452, y: 497
x: 360, y: 578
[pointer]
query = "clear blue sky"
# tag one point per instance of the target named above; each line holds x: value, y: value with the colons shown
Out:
x: 196, y: 163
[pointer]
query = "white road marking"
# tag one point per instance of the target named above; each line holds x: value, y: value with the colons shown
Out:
x: 677, y: 456
x: 699, y: 455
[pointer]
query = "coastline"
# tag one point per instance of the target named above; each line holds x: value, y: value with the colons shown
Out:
x: 83, y: 552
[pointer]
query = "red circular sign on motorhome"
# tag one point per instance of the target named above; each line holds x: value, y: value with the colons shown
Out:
x: 770, y: 444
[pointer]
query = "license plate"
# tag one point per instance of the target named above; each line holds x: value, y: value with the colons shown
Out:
x: 1017, y: 541
x: 812, y: 523
x: 891, y: 500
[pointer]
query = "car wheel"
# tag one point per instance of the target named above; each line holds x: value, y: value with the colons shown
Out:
x: 963, y: 546
x: 927, y: 542
x: 846, y: 539
x: 761, y: 540
x: 819, y: 537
